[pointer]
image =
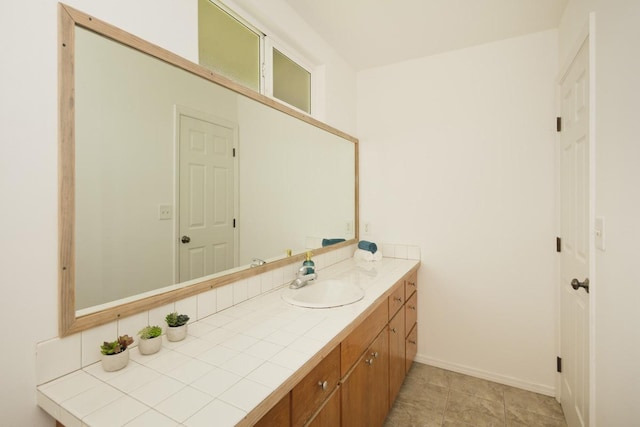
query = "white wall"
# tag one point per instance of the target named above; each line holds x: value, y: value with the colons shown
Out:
x: 28, y: 165
x: 616, y: 290
x: 457, y: 156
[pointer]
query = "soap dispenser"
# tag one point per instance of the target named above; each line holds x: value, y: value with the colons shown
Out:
x: 308, y: 261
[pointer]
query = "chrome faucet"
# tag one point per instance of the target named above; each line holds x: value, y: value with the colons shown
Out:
x: 303, y: 277
x: 257, y: 262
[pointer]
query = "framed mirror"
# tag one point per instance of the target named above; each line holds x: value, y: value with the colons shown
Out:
x: 174, y: 180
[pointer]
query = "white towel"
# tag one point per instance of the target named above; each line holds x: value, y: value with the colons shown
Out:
x: 367, y: 256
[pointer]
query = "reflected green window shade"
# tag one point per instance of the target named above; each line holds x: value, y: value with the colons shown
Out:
x: 291, y: 82
x: 227, y: 46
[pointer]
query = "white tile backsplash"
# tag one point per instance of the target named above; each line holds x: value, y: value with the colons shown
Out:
x: 207, y: 303
x: 225, y: 298
x: 58, y: 357
x: 157, y: 315
x: 240, y: 291
x: 188, y: 306
x: 132, y: 324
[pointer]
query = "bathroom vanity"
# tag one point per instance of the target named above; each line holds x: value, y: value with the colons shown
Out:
x: 264, y: 362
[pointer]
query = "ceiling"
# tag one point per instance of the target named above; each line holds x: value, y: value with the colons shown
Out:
x: 371, y: 33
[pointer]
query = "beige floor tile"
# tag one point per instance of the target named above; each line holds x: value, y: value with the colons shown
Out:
x: 529, y: 419
x: 433, y: 397
x: 467, y: 408
x: 520, y: 403
x: 429, y: 374
x: 477, y: 387
x: 406, y: 415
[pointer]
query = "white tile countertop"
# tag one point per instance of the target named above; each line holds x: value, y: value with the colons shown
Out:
x: 229, y: 362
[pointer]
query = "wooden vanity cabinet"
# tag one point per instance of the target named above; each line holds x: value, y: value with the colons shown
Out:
x: 365, y: 397
x: 279, y: 415
x: 309, y: 394
x: 329, y: 415
x: 362, y: 336
x: 397, y: 355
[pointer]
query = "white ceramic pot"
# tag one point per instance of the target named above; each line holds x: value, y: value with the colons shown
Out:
x: 176, y: 333
x: 150, y: 345
x: 115, y: 362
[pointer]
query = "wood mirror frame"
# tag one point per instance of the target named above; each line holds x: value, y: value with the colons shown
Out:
x: 69, y: 322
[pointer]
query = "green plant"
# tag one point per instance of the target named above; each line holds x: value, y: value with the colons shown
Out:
x: 174, y: 319
x: 117, y: 346
x: 149, y: 332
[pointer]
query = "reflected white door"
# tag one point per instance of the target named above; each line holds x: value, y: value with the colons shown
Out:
x: 575, y: 231
x: 206, y: 197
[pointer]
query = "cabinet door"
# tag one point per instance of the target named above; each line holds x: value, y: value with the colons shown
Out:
x: 365, y: 397
x: 411, y: 347
x: 308, y: 395
x: 396, y: 355
x: 279, y: 415
x: 411, y: 312
x: 396, y: 299
x: 329, y: 415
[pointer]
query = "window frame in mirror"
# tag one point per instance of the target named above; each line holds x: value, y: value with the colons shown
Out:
x: 69, y: 321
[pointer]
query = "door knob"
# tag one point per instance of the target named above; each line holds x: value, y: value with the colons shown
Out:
x: 576, y: 284
x: 185, y: 239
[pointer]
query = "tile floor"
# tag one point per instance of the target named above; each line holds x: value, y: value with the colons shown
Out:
x: 435, y: 397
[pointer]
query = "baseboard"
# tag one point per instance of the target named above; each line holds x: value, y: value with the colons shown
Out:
x: 490, y: 376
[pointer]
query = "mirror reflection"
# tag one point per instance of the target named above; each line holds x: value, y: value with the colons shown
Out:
x: 179, y: 178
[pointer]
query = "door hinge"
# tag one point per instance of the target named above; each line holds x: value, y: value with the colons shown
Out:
x: 559, y: 364
x: 234, y: 223
x: 558, y: 124
x: 234, y: 152
x: 558, y: 244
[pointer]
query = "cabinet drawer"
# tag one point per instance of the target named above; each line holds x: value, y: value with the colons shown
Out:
x: 410, y: 285
x: 411, y: 312
x: 396, y: 299
x: 358, y: 341
x: 411, y: 347
x: 307, y: 396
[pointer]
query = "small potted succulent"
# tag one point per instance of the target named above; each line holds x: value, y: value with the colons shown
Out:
x: 150, y: 339
x: 177, y: 326
x: 115, y: 354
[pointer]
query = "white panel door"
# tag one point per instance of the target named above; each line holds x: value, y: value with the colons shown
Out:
x: 206, y: 198
x: 575, y: 231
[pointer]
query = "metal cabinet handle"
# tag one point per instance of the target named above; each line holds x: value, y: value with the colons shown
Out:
x: 323, y: 384
x: 185, y: 239
x: 394, y: 330
x: 411, y: 307
x: 411, y: 342
x: 576, y: 284
x: 412, y: 284
x: 397, y: 299
x: 375, y: 354
x: 369, y: 362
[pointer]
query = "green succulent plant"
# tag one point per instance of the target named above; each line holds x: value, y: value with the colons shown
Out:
x: 117, y: 346
x: 149, y: 332
x: 174, y: 319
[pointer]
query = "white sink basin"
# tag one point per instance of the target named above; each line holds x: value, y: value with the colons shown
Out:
x: 324, y: 294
